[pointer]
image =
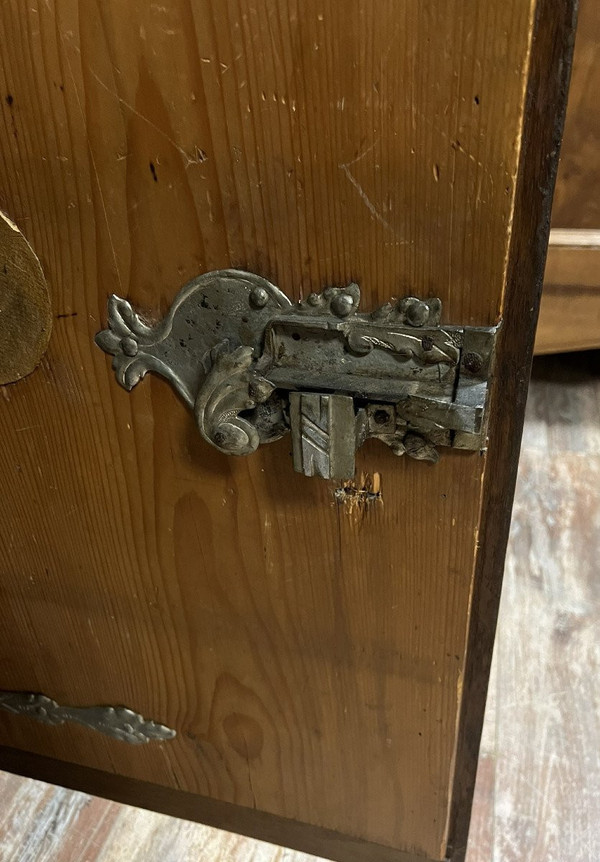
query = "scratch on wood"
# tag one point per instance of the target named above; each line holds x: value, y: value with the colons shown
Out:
x: 188, y: 160
x: 369, y: 204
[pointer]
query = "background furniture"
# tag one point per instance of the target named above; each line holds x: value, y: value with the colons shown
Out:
x: 570, y: 309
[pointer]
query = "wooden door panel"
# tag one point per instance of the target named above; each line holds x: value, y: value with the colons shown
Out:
x: 311, y: 654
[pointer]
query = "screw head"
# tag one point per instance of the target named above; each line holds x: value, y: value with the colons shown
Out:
x: 417, y: 313
x: 473, y: 362
x: 259, y: 297
x: 381, y: 416
x: 342, y: 305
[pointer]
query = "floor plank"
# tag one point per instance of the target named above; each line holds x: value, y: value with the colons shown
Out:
x: 538, y: 787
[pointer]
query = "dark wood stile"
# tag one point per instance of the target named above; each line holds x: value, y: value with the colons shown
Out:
x: 548, y: 86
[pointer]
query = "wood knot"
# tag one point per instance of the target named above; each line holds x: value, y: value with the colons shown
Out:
x: 244, y: 734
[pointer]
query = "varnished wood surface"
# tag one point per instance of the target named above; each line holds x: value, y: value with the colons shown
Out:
x: 538, y: 785
x: 577, y: 198
x: 310, y: 658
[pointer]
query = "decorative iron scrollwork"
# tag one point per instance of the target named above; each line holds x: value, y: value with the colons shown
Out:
x: 254, y: 366
x: 115, y: 721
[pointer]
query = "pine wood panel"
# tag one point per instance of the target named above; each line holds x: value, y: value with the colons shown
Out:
x: 545, y: 689
x: 311, y: 658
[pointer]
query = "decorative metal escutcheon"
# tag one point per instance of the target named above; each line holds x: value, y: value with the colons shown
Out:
x: 254, y: 366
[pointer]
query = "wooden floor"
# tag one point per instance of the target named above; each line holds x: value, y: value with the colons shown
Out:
x: 538, y: 793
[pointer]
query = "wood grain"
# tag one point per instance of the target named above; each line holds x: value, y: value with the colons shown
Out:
x: 577, y: 197
x: 541, y: 738
x: 542, y: 699
x: 311, y: 661
x: 540, y: 742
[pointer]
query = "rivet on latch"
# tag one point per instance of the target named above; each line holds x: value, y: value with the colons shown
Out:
x: 259, y: 297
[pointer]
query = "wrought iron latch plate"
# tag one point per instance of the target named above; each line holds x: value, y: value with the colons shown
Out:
x: 253, y: 366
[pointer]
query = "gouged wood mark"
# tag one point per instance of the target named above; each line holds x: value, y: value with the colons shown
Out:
x: 25, y: 311
x: 358, y: 498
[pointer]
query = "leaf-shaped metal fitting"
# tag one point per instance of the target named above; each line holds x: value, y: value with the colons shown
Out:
x: 125, y: 334
x: 115, y: 721
x: 235, y: 348
x: 226, y: 305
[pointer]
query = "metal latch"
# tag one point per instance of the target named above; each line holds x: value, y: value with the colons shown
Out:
x: 253, y: 366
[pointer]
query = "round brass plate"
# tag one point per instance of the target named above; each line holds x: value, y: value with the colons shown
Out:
x: 25, y: 311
